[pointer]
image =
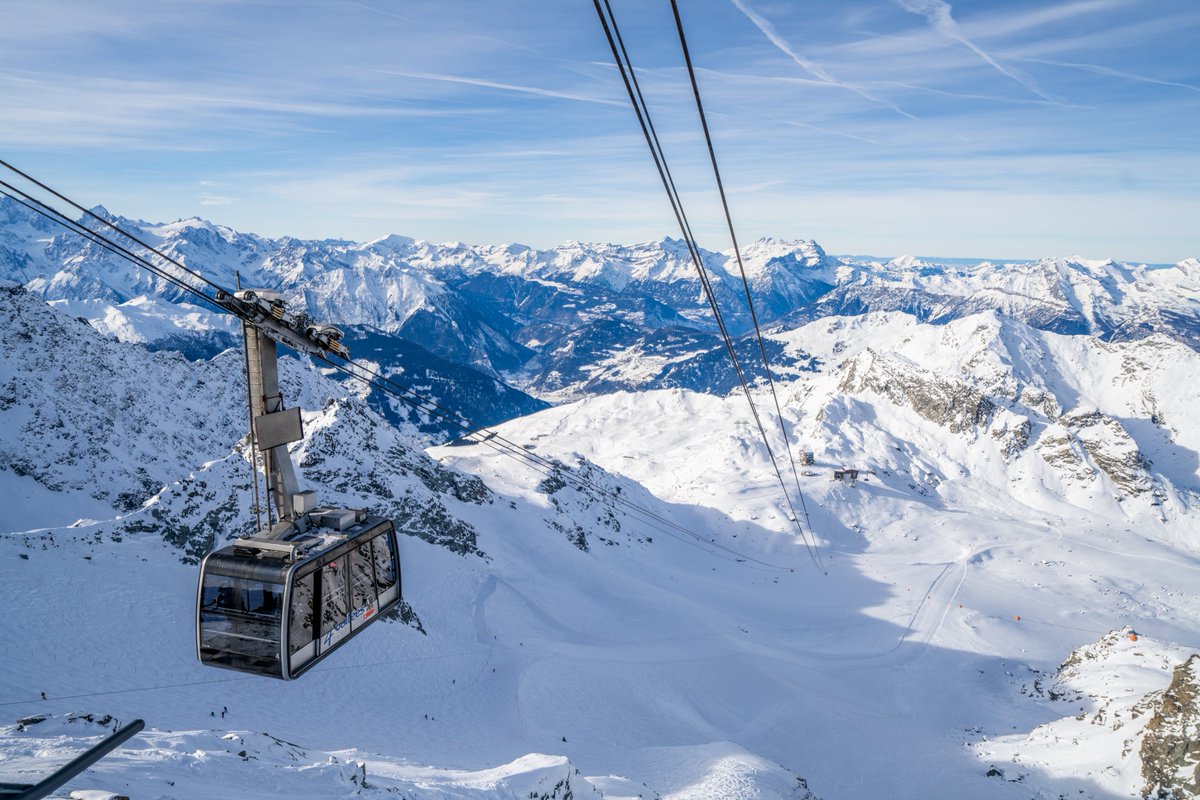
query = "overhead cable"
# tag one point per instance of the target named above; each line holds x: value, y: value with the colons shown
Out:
x: 629, y: 77
x: 737, y: 252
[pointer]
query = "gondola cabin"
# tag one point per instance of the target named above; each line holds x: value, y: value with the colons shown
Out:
x: 277, y: 607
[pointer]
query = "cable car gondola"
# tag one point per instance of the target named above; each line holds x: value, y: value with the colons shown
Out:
x: 276, y: 608
x: 277, y: 602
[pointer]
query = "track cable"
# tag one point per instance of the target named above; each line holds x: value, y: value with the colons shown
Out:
x: 737, y: 252
x: 641, y: 110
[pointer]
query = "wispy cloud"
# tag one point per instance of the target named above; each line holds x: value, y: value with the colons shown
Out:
x: 507, y: 87
x: 440, y: 28
x: 942, y: 21
x: 42, y: 108
x: 297, y: 129
x: 1007, y: 21
x: 828, y: 131
x: 963, y: 95
x: 1115, y: 73
x: 744, y: 78
x: 811, y: 67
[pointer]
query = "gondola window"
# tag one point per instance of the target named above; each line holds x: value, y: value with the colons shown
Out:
x: 385, y: 565
x: 335, y: 603
x: 241, y: 617
x: 300, y: 628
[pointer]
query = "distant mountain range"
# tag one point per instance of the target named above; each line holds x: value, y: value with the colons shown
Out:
x: 514, y: 323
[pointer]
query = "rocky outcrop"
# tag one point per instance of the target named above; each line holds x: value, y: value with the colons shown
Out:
x: 1112, y: 449
x: 1083, y: 444
x: 955, y: 405
x: 86, y: 416
x: 1059, y: 448
x: 1170, y: 751
x: 1066, y: 682
x: 1040, y: 400
x: 1126, y: 733
x: 586, y: 499
x: 1011, y: 432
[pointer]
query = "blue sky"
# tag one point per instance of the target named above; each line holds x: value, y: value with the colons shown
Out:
x: 999, y: 129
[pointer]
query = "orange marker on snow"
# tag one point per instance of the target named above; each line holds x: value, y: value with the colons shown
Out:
x: 1017, y: 617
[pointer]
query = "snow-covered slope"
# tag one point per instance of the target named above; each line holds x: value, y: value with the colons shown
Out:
x: 94, y: 427
x: 204, y: 764
x: 459, y: 687
x: 190, y: 330
x: 1132, y: 699
x: 1023, y: 494
x: 997, y: 528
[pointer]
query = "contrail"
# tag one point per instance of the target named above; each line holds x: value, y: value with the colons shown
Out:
x: 508, y: 87
x: 819, y: 129
x: 938, y: 14
x: 814, y: 69
x: 1099, y: 70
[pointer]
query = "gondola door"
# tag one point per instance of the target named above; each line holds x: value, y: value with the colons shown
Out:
x: 387, y: 569
x: 334, y: 602
x: 302, y: 619
x: 363, y: 596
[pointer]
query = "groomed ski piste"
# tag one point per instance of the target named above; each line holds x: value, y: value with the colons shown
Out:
x: 560, y: 646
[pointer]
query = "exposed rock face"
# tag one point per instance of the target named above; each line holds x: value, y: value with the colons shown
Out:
x: 346, y: 453
x: 1059, y: 448
x: 955, y: 405
x: 1040, y: 400
x: 197, y: 512
x: 72, y: 400
x: 1083, y: 444
x: 1101, y: 422
x: 1170, y: 750
x: 1112, y: 449
x: 1012, y: 433
x: 578, y: 505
